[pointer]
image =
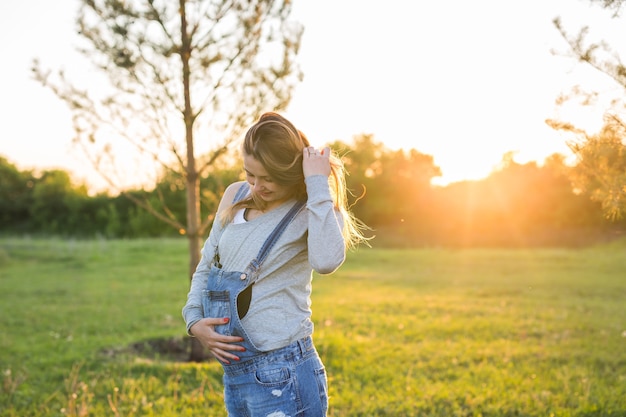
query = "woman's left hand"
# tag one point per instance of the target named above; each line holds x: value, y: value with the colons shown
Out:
x: 315, y: 162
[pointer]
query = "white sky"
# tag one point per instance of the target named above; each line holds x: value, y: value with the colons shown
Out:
x: 464, y: 81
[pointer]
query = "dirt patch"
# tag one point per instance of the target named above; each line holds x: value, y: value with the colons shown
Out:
x: 171, y: 349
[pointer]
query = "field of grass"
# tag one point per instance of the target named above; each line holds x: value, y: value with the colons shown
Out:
x: 420, y: 332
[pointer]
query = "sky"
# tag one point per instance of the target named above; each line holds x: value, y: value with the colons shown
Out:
x: 463, y: 81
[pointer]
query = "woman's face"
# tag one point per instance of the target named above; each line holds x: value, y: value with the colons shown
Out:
x: 262, y: 184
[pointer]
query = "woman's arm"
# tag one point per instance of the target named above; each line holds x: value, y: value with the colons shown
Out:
x: 326, y: 245
x: 204, y: 327
x: 192, y: 311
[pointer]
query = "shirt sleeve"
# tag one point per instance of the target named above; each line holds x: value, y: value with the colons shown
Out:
x: 192, y: 311
x: 326, y: 245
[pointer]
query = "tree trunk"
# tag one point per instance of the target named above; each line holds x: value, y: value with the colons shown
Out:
x: 197, y: 352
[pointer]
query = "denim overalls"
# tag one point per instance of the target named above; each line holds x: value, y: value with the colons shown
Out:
x: 290, y: 380
x: 225, y: 293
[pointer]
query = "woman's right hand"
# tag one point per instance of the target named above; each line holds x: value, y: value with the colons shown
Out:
x: 219, y: 345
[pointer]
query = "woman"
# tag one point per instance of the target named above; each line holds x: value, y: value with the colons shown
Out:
x: 249, y: 301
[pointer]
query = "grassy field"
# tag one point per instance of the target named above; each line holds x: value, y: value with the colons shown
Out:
x: 424, y: 332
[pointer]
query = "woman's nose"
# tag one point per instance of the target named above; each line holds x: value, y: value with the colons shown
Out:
x: 257, y: 186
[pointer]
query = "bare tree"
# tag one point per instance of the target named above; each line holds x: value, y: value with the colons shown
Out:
x: 173, y: 72
x: 601, y: 168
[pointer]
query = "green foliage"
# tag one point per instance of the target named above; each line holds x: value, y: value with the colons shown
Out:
x: 430, y: 332
x: 109, y: 216
x: 517, y: 205
x: 50, y: 204
x: 15, y: 195
x: 388, y: 185
x: 601, y: 170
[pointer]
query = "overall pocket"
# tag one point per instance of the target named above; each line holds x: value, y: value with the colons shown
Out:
x: 216, y: 304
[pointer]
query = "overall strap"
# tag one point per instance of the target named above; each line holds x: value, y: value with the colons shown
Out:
x: 244, y: 298
x: 241, y: 192
x: 273, y: 237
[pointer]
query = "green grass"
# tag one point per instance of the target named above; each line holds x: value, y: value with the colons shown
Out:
x: 423, y: 332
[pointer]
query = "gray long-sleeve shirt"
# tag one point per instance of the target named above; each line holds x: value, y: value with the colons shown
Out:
x: 280, y: 310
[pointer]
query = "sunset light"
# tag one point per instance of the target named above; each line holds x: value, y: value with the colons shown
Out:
x: 465, y: 87
x: 313, y: 208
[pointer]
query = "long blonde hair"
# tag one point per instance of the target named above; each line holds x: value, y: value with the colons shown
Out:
x: 276, y: 143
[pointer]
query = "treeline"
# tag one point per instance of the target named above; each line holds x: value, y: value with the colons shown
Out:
x: 517, y: 205
x: 49, y: 203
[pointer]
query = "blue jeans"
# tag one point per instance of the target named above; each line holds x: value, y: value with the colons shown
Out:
x: 287, y: 382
